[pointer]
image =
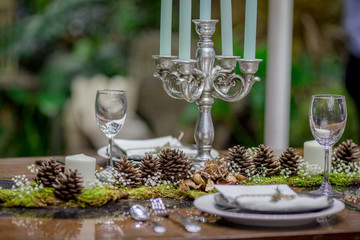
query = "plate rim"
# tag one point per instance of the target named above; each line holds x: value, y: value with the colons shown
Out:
x: 202, y: 204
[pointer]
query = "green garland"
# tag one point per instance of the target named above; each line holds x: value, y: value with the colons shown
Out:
x: 336, y: 179
x: 100, y: 196
x: 37, y: 198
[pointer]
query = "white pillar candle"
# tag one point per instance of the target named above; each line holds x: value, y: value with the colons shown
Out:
x: 278, y: 74
x: 85, y: 166
x: 314, y: 153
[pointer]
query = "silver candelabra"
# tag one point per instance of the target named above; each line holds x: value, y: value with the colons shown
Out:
x: 199, y: 81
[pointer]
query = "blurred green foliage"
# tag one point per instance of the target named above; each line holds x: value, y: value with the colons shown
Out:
x: 54, y: 41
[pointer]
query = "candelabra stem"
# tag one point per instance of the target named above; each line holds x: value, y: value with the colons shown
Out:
x: 204, y: 129
x: 205, y: 55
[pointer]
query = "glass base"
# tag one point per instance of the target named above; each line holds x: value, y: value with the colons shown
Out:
x: 326, y: 189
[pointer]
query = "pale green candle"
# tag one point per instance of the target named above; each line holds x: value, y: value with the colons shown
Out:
x: 250, y: 29
x: 205, y: 9
x: 185, y: 30
x: 226, y: 28
x: 165, y: 27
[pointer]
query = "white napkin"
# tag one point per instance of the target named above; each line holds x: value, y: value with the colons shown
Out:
x: 153, y: 143
x: 136, y: 149
x: 230, y: 192
x: 259, y: 197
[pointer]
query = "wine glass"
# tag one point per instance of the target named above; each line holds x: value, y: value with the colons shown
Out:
x: 327, y: 124
x: 110, y: 112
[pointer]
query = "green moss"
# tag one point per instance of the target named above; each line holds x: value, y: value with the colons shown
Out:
x: 193, y: 194
x: 339, y: 179
x: 6, y: 195
x: 144, y: 192
x: 39, y: 198
x: 141, y: 192
x: 170, y: 191
x: 294, y: 181
x: 97, y: 197
x: 302, y: 181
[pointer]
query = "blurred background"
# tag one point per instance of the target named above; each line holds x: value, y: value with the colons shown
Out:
x: 55, y: 54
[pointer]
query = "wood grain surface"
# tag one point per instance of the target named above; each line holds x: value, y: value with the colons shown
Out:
x: 344, y: 225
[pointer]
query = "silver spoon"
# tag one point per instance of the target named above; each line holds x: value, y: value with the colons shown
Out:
x: 140, y: 213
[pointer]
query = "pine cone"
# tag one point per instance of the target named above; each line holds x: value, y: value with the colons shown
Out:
x: 214, y: 169
x: 48, y: 171
x: 150, y: 166
x: 265, y: 157
x: 348, y: 152
x: 239, y: 159
x: 289, y: 159
x: 127, y: 174
x: 175, y: 165
x: 68, y: 185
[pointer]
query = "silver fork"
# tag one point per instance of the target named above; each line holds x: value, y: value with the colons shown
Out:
x: 160, y: 210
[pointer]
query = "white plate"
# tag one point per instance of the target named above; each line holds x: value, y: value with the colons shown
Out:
x: 207, y: 204
x: 102, y: 152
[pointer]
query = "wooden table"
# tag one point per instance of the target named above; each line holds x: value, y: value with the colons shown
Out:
x: 344, y: 225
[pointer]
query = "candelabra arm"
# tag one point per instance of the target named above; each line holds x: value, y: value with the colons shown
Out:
x: 249, y: 68
x: 180, y: 78
x: 224, y: 82
x: 189, y: 79
x: 167, y: 77
x: 229, y: 86
x: 168, y: 80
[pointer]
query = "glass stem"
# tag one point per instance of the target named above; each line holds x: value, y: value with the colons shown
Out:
x: 327, y: 167
x: 110, y: 162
